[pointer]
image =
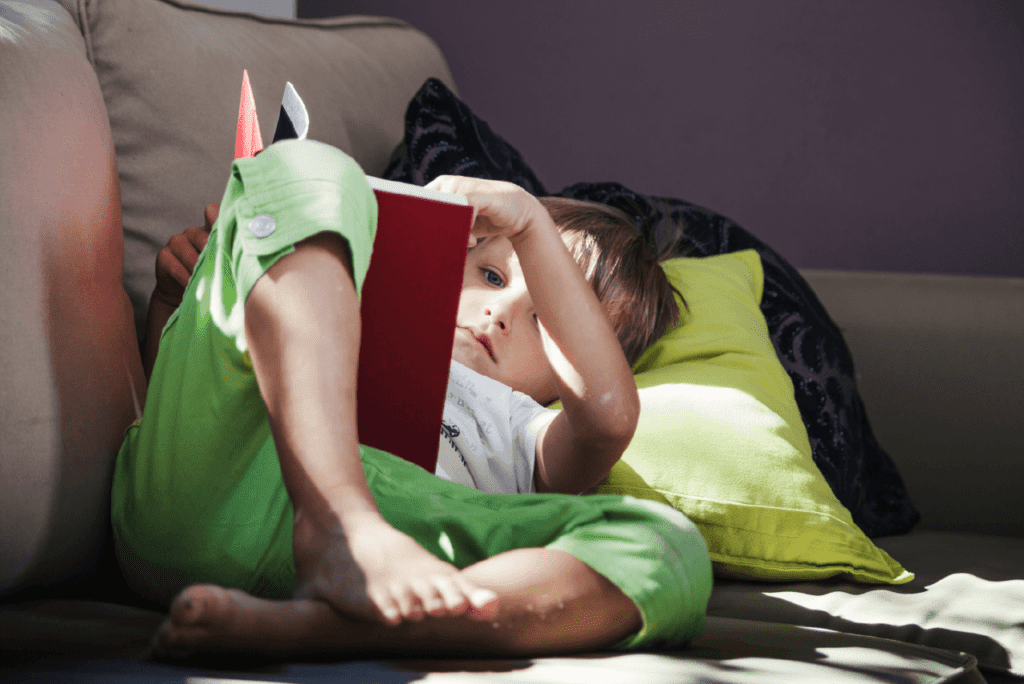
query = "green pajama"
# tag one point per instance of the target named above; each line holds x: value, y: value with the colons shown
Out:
x: 198, y: 494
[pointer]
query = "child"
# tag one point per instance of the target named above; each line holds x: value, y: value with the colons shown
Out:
x: 245, y: 470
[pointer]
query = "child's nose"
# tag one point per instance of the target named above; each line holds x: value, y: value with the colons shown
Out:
x: 498, y: 319
x: 510, y: 306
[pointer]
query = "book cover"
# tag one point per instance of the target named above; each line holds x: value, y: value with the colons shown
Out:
x: 409, y: 302
x: 409, y: 306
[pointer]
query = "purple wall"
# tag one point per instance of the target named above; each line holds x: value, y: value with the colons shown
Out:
x: 870, y: 135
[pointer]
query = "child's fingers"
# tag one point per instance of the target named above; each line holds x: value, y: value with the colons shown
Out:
x: 442, y: 183
x: 198, y: 237
x: 170, y: 267
x: 461, y: 186
x: 499, y: 207
x: 211, y: 213
x: 178, y: 259
x: 186, y: 247
x: 473, y: 189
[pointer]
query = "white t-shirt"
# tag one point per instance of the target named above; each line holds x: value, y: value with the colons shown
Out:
x: 489, y: 434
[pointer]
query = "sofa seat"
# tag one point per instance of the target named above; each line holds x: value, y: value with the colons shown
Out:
x: 959, y: 620
x: 59, y: 641
x: 966, y: 596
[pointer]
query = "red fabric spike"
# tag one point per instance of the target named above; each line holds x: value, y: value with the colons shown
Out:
x: 247, y: 139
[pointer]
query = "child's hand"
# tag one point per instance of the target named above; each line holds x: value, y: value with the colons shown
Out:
x: 176, y: 261
x: 499, y: 208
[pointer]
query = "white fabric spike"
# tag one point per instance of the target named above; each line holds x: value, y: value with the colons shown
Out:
x: 294, y: 119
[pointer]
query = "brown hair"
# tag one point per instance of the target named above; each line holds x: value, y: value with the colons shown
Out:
x: 622, y: 267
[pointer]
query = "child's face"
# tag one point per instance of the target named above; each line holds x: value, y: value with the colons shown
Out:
x: 497, y: 333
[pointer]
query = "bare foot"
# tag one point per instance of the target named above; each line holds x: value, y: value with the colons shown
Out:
x: 551, y: 602
x: 371, y: 571
x: 210, y: 621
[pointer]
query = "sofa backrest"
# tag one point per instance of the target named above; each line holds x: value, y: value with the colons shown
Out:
x: 171, y: 74
x: 940, y: 365
x: 157, y: 83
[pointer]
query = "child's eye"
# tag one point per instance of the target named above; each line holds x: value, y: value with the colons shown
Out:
x: 493, y: 278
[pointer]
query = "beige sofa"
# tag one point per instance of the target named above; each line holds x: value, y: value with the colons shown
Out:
x: 117, y: 127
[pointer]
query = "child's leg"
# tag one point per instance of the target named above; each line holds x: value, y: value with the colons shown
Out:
x: 302, y: 328
x: 261, y: 354
x: 549, y: 602
x: 570, y: 573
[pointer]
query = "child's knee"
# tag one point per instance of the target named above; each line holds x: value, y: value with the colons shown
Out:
x: 296, y: 189
x: 671, y: 532
x: 311, y: 157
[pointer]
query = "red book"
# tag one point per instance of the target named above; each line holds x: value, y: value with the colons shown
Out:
x: 409, y: 301
x: 409, y: 305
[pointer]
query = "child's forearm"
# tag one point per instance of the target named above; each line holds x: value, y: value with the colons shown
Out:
x: 159, y: 313
x: 592, y: 376
x: 595, y: 382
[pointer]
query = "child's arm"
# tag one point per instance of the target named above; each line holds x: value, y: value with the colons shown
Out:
x: 174, y: 266
x: 594, y: 381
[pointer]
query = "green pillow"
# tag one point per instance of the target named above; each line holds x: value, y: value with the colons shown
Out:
x: 721, y: 439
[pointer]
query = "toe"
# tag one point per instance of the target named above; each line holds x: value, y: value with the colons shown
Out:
x: 183, y: 608
x: 430, y: 598
x: 388, y: 607
x: 170, y: 642
x: 455, y: 600
x: 483, y: 603
x: 410, y: 603
x: 199, y: 604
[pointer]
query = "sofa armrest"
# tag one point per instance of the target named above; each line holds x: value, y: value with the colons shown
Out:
x: 940, y: 366
x: 69, y: 360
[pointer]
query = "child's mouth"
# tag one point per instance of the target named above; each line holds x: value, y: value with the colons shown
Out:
x: 483, y: 339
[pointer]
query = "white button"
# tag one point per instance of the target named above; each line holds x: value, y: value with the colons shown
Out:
x: 263, y: 225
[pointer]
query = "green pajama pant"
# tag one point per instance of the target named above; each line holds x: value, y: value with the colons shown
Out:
x: 197, y: 491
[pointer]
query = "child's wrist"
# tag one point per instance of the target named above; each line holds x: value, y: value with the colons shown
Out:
x: 164, y: 301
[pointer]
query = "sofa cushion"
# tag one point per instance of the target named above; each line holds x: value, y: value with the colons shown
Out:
x: 442, y: 136
x: 720, y: 438
x: 91, y: 641
x: 968, y: 595
x: 171, y: 72
x: 68, y: 358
